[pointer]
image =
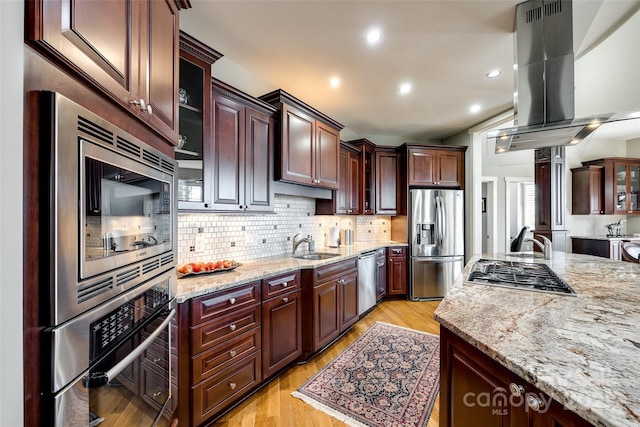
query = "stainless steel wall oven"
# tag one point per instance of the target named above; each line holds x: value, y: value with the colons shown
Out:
x: 108, y: 255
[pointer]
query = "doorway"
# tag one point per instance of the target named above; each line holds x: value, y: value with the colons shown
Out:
x: 488, y: 210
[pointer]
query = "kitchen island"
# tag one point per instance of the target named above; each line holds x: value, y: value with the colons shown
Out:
x: 582, y: 351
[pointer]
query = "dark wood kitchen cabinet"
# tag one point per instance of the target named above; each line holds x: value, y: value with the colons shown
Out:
x: 307, y: 143
x: 386, y: 174
x: 366, y: 175
x: 397, y: 270
x: 220, y: 351
x: 587, y: 190
x: 381, y: 273
x: 621, y: 184
x: 468, y: 374
x: 346, y: 199
x: 126, y: 49
x: 237, y: 159
x: 281, y: 322
x: 441, y: 166
x: 330, y: 297
x: 194, y: 173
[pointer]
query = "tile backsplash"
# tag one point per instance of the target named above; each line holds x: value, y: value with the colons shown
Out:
x: 204, y: 236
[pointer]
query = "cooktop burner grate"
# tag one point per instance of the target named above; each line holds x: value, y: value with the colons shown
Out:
x: 518, y: 275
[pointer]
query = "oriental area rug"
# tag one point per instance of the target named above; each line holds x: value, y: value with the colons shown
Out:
x: 389, y: 376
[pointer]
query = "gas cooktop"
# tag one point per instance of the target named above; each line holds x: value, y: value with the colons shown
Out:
x: 518, y: 275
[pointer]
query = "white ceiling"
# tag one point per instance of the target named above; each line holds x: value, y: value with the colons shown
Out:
x: 444, y: 48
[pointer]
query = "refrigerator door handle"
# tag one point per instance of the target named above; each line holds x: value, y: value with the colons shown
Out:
x: 438, y: 259
x: 439, y: 221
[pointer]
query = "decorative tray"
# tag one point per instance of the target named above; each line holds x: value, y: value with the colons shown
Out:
x: 204, y: 271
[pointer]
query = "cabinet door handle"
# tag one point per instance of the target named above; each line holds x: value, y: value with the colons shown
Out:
x: 534, y: 403
x: 144, y: 107
x: 157, y: 359
x: 232, y: 327
x: 232, y: 353
x: 157, y: 393
x: 232, y: 301
x: 516, y: 389
x: 285, y: 299
x: 232, y: 386
x: 285, y: 284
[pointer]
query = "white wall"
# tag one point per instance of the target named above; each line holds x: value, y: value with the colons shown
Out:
x: 11, y: 109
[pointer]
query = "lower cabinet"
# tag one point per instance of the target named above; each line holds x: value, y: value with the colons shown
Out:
x: 223, y: 350
x: 477, y: 391
x: 281, y: 323
x: 397, y: 271
x: 330, y: 295
x: 381, y: 273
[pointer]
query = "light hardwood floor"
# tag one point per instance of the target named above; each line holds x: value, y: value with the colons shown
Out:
x: 274, y: 405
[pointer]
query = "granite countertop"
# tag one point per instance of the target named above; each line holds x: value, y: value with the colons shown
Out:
x: 603, y: 237
x: 249, y: 271
x: 583, y: 351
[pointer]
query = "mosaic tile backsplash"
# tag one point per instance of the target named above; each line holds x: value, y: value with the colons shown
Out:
x: 206, y: 236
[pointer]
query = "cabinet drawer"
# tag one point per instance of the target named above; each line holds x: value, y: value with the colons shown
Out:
x: 337, y: 268
x: 223, y: 302
x: 398, y: 251
x: 155, y: 386
x: 212, y: 361
x: 157, y: 356
x: 220, y: 330
x: 220, y: 391
x: 280, y: 284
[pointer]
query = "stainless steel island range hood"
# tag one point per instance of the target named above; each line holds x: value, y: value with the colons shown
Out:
x: 544, y: 101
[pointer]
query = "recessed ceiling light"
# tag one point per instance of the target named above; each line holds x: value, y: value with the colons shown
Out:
x: 475, y: 108
x: 493, y: 74
x: 334, y: 81
x: 405, y: 88
x: 373, y: 36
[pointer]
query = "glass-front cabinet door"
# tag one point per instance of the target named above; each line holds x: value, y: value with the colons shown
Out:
x: 627, y: 178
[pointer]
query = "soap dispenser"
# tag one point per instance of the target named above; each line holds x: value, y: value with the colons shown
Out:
x: 312, y: 243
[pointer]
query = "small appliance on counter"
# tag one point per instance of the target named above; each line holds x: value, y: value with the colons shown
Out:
x: 333, y: 237
x: 348, y: 236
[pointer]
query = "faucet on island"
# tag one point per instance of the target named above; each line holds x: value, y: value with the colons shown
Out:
x: 297, y: 243
x: 546, y: 249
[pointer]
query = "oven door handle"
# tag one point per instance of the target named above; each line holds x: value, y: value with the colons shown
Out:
x: 102, y: 378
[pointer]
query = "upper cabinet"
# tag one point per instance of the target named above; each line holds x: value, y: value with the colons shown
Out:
x: 307, y: 143
x: 386, y: 172
x: 615, y: 180
x: 441, y: 166
x: 587, y: 181
x: 368, y: 181
x: 127, y: 49
x: 236, y: 166
x: 194, y: 173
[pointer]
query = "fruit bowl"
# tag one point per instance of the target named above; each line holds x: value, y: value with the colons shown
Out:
x: 199, y: 268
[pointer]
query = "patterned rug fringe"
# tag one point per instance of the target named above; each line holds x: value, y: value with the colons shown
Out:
x: 328, y: 410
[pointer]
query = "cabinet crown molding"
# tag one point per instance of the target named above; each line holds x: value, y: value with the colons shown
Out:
x: 198, y: 49
x: 279, y: 96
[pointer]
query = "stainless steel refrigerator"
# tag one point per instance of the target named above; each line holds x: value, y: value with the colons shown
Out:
x: 436, y: 236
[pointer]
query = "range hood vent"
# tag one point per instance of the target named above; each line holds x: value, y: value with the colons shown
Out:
x: 544, y: 101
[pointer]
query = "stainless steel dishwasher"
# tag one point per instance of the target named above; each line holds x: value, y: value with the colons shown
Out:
x: 366, y: 281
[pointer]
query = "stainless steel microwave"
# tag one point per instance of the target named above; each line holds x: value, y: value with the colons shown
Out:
x: 111, y: 206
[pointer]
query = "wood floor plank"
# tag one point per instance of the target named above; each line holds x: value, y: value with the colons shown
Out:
x: 274, y: 406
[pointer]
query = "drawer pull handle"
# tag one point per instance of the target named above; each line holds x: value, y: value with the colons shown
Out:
x: 232, y: 301
x: 285, y: 284
x: 157, y: 393
x: 285, y: 299
x: 534, y: 403
x: 232, y: 327
x: 157, y: 359
x: 516, y: 389
x: 232, y: 386
x: 232, y: 353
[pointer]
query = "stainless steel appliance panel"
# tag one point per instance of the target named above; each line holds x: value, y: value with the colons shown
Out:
x: 436, y: 222
x: 431, y: 277
x: 85, y: 271
x: 367, y: 281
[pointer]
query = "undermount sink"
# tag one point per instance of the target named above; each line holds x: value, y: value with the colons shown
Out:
x: 314, y: 256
